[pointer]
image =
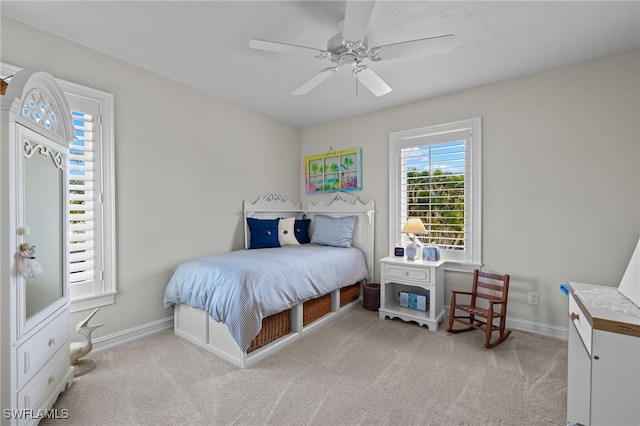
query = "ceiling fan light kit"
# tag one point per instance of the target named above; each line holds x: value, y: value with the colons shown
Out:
x: 343, y: 51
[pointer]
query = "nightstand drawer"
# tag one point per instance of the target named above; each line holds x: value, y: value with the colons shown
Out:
x: 421, y: 275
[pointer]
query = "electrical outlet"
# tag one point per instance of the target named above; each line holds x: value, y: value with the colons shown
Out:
x: 533, y: 298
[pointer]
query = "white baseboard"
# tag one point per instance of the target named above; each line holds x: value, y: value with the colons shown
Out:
x: 534, y: 327
x: 120, y: 338
x: 530, y: 326
x: 111, y: 341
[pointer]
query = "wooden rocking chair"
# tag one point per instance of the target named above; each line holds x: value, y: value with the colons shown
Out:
x: 493, y: 289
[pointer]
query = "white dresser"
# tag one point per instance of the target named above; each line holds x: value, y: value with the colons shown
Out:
x: 603, y: 377
x: 34, y: 303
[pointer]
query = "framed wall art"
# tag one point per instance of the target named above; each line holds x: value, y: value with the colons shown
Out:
x: 334, y: 171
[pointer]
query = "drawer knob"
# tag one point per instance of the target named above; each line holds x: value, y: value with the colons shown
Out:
x: 406, y: 274
x: 52, y: 341
x: 574, y: 316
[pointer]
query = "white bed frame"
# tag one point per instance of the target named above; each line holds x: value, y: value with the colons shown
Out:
x: 197, y: 326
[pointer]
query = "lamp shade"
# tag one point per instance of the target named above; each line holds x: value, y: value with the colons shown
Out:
x: 414, y: 226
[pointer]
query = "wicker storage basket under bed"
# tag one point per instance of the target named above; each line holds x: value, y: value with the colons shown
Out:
x: 279, y: 324
x: 349, y: 294
x: 315, y: 308
x: 273, y: 327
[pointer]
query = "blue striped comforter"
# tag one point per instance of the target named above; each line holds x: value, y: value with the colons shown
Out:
x: 241, y: 287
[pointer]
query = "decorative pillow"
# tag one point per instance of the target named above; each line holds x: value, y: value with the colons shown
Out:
x: 301, y: 230
x: 286, y: 236
x: 264, y: 233
x: 333, y: 231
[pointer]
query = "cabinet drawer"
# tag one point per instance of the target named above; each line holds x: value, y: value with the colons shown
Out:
x: 421, y: 275
x: 34, y: 353
x: 579, y: 320
x: 47, y: 380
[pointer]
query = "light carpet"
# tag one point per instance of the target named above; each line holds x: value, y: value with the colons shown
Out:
x: 354, y: 370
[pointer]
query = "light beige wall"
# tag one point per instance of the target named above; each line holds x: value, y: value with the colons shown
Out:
x: 185, y: 161
x: 561, y: 170
x: 560, y: 174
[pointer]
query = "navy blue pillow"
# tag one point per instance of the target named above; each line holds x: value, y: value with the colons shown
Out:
x: 264, y: 233
x: 301, y: 230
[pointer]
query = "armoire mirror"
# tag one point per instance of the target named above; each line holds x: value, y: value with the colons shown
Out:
x: 44, y: 207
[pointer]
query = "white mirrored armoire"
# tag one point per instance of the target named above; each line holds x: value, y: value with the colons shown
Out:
x: 36, y: 130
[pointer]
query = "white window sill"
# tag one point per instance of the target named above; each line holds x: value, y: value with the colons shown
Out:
x: 92, y: 302
x: 451, y: 265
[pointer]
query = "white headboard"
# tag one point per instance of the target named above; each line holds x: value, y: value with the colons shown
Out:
x: 339, y: 204
x: 336, y: 204
x: 270, y: 206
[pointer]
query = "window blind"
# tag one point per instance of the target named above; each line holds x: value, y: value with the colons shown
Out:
x: 433, y: 182
x: 81, y: 204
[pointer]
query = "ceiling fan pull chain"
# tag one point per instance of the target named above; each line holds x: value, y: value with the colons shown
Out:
x: 356, y: 84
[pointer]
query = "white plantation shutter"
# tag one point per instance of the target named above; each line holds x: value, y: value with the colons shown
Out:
x: 432, y: 187
x: 91, y: 199
x: 81, y: 199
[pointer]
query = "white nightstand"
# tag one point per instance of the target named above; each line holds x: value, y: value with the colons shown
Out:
x: 424, y: 277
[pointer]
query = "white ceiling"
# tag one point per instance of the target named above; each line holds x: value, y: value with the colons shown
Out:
x: 204, y: 44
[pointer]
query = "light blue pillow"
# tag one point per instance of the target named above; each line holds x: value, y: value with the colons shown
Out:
x: 333, y: 231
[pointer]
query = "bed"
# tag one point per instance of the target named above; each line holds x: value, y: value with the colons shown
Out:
x: 246, y: 304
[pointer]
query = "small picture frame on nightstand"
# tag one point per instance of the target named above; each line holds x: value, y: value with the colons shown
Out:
x: 431, y: 253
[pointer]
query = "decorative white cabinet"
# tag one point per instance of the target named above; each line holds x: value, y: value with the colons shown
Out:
x: 419, y: 276
x: 603, y: 376
x: 34, y: 304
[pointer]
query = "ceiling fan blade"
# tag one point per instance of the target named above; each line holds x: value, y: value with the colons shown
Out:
x: 372, y: 81
x: 424, y: 46
x: 356, y: 19
x: 315, y: 80
x: 273, y: 46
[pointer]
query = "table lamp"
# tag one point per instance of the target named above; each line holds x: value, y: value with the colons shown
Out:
x: 413, y: 226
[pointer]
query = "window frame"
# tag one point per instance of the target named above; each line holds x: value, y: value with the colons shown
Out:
x: 434, y: 134
x: 105, y: 289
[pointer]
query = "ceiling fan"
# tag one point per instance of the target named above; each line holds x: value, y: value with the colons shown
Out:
x: 350, y: 48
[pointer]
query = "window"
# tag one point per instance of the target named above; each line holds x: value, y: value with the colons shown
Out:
x: 435, y: 175
x: 91, y: 196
